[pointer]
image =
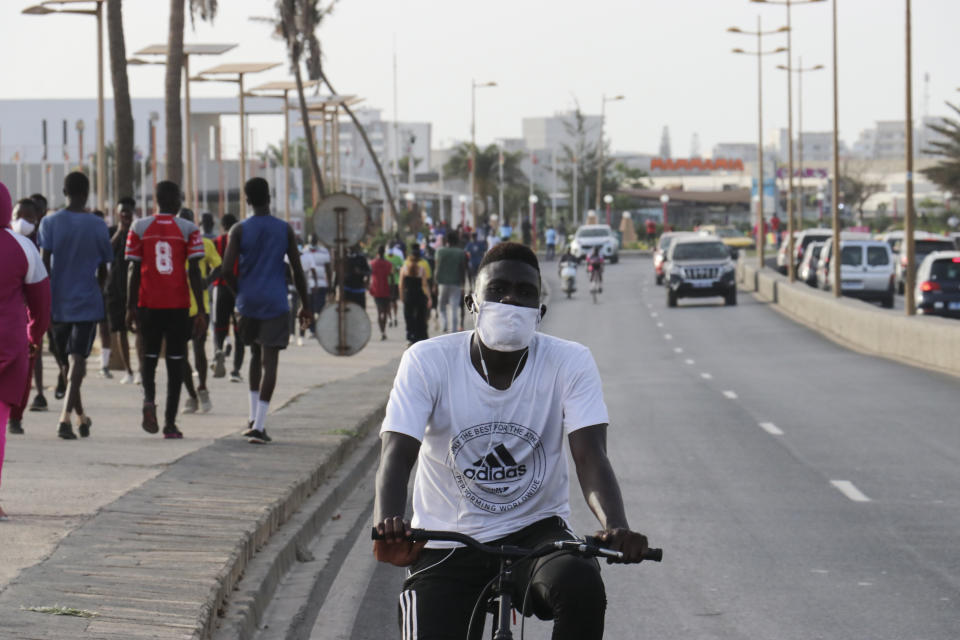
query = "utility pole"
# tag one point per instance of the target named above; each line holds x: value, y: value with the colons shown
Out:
x: 909, y: 298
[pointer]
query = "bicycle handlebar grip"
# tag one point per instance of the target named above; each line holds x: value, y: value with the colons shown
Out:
x: 654, y: 555
x: 375, y: 535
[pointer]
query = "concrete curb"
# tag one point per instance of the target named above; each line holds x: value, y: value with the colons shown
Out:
x: 929, y: 342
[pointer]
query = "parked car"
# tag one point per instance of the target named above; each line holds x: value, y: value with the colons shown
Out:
x: 801, y: 240
x: 660, y: 253
x: 808, y: 266
x: 728, y: 235
x: 866, y: 270
x: 596, y: 235
x: 938, y: 284
x: 923, y: 245
x: 700, y: 266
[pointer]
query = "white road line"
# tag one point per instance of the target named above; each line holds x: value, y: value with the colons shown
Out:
x: 689, y: 361
x: 653, y: 315
x: 730, y: 394
x: 850, y: 490
x: 771, y: 428
x: 667, y: 336
x: 660, y: 325
x: 706, y: 376
x: 678, y: 349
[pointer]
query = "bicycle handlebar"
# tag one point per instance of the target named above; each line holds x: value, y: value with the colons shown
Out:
x: 587, y: 547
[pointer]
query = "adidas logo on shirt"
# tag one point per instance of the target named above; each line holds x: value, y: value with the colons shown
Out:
x: 499, y: 464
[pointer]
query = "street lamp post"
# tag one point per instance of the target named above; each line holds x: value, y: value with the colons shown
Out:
x: 603, y: 117
x: 474, y: 85
x: 791, y: 264
x: 800, y: 70
x: 533, y: 217
x: 665, y: 200
x: 188, y: 49
x: 759, y: 53
x: 240, y: 70
x: 43, y: 9
x: 608, y: 200
x: 835, y: 187
x: 909, y: 295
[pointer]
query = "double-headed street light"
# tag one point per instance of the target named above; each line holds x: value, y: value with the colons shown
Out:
x: 474, y: 85
x: 759, y: 53
x: 603, y: 117
x: 800, y: 70
x: 791, y: 264
x: 44, y: 8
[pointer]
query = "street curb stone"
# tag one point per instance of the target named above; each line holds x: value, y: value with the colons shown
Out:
x: 162, y: 560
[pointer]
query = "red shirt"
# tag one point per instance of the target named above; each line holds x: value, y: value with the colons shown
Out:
x: 220, y: 242
x: 380, y: 270
x: 162, y: 244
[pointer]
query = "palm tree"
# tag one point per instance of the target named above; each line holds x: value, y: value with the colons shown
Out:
x: 123, y: 112
x: 207, y: 10
x: 946, y: 173
x: 487, y: 175
x: 298, y: 22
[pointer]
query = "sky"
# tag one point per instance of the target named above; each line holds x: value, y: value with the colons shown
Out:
x: 670, y: 59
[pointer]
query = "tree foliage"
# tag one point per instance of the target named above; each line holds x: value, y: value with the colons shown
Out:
x: 946, y: 173
x: 487, y: 175
x: 856, y: 188
x: 580, y: 161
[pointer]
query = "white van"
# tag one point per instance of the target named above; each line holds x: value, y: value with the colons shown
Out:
x: 866, y: 269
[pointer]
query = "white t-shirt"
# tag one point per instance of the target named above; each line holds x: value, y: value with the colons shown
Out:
x: 492, y: 461
x: 321, y: 258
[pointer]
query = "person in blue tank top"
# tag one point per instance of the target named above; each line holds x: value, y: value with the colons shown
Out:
x: 258, y: 246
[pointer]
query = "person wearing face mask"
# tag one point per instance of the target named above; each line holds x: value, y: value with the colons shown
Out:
x: 24, y: 315
x: 484, y: 416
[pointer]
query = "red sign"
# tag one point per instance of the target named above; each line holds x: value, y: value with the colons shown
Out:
x: 696, y: 164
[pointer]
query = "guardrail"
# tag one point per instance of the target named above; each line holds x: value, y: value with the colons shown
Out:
x: 925, y: 341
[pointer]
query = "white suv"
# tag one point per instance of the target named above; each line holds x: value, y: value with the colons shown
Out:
x: 866, y: 270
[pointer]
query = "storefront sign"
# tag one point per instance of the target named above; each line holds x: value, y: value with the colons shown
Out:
x: 696, y: 164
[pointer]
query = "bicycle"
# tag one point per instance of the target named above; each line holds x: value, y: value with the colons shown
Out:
x: 596, y: 286
x: 500, y: 588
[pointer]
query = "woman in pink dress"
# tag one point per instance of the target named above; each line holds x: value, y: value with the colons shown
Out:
x: 24, y: 314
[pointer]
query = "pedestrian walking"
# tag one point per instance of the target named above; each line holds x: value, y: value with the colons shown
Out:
x: 165, y: 253
x: 76, y: 250
x: 198, y: 398
x: 24, y: 225
x: 550, y: 238
x: 415, y: 293
x: 24, y: 315
x: 380, y: 271
x: 258, y: 246
x: 395, y: 256
x: 322, y: 273
x: 475, y: 250
x: 356, y: 276
x: 116, y: 292
x: 40, y: 400
x: 451, y: 272
x: 224, y: 302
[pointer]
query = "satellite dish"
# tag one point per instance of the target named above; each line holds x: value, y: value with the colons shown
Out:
x: 355, y: 218
x: 356, y: 329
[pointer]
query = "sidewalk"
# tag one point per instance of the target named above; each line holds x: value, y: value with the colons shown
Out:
x: 151, y: 534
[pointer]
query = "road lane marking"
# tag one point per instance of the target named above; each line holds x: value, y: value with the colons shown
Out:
x: 689, y: 361
x: 771, y: 428
x: 678, y: 349
x: 730, y: 394
x: 706, y: 376
x: 660, y: 325
x: 667, y: 336
x: 850, y: 490
x: 653, y: 315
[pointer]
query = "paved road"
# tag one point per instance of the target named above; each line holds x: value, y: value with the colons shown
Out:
x: 799, y: 490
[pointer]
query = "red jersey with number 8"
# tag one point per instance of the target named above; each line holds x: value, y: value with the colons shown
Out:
x: 162, y: 244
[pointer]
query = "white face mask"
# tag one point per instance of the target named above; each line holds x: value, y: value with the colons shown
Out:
x: 506, y: 327
x: 23, y: 227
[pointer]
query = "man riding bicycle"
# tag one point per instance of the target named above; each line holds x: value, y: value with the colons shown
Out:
x: 595, y: 264
x: 484, y: 415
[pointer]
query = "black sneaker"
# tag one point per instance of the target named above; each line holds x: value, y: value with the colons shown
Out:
x: 255, y: 436
x: 65, y: 431
x: 15, y: 426
x: 150, y: 424
x: 84, y: 427
x: 39, y: 403
x: 219, y: 368
x: 61, y: 389
x: 170, y: 432
x: 235, y: 376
